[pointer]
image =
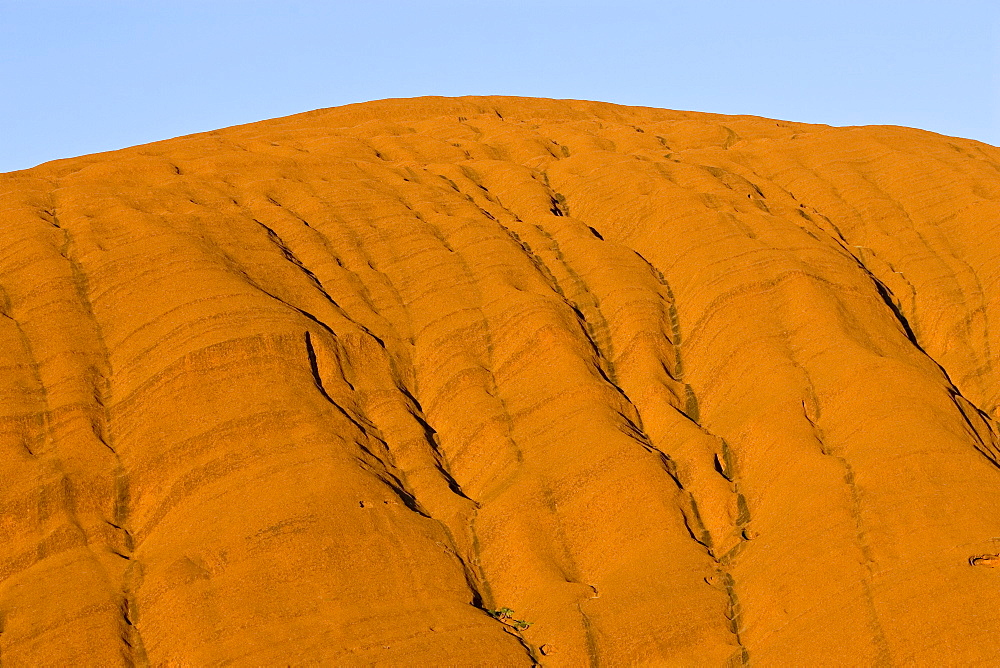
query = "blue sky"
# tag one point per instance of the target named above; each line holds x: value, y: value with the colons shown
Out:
x: 93, y: 75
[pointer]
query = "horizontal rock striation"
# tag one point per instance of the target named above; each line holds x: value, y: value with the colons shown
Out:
x: 502, y: 381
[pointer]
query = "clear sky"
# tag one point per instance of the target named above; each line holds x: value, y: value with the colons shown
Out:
x: 80, y: 76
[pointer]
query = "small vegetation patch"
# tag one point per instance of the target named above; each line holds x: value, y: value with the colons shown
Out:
x: 506, y: 616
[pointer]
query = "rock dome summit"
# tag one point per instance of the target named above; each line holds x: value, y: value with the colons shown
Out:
x: 497, y: 381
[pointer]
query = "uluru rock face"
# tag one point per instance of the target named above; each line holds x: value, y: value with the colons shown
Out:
x: 673, y: 388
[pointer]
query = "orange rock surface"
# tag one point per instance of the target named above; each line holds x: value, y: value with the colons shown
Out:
x: 674, y: 388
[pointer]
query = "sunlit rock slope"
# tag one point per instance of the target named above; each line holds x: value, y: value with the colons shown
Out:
x: 675, y: 388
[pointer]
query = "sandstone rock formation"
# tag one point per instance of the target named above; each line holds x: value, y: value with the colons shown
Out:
x: 673, y: 388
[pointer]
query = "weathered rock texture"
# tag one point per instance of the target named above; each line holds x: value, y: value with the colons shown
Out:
x: 676, y: 388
